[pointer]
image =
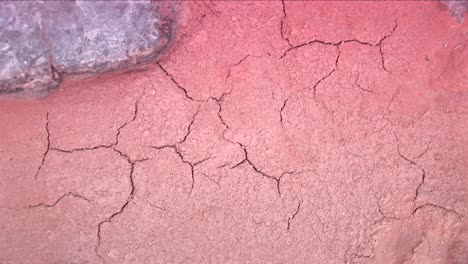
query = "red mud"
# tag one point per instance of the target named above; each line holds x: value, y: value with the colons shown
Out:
x: 297, y: 133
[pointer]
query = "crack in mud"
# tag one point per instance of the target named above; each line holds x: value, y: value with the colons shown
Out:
x: 122, y: 208
x: 109, y: 146
x: 81, y: 149
x: 134, y: 117
x: 283, y: 18
x: 413, y: 163
x: 382, y: 57
x: 381, y: 212
x: 314, y: 88
x: 223, y: 121
x: 182, y: 158
x: 360, y: 87
x: 179, y: 153
x: 290, y: 219
x: 117, y: 136
x: 457, y: 214
x: 244, y: 148
x: 189, y: 128
x: 192, y: 166
x: 178, y: 84
x: 69, y: 194
x: 221, y: 98
x: 187, y: 134
x: 226, y: 126
x: 160, y: 208
x: 337, y: 44
x: 249, y: 162
x: 236, y: 64
x: 281, y: 111
x: 48, y: 147
x: 49, y: 205
x: 423, y: 175
x: 239, y: 62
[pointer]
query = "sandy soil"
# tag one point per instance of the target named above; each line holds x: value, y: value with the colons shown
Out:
x: 271, y: 133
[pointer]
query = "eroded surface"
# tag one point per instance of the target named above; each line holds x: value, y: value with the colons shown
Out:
x: 280, y: 133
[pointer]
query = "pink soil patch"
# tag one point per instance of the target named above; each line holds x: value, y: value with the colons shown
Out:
x: 296, y: 132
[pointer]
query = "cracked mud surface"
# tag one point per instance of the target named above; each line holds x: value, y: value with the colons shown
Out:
x: 272, y: 133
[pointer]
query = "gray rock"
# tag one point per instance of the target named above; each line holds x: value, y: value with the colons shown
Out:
x: 456, y: 8
x: 43, y: 41
x: 24, y: 57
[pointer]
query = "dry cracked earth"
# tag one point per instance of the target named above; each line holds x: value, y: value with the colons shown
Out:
x: 272, y: 132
